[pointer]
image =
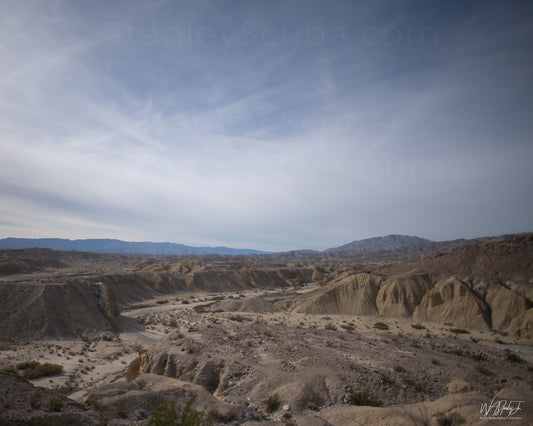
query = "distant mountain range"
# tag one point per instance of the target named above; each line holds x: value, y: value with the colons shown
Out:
x: 119, y: 247
x: 390, y: 248
x: 387, y: 242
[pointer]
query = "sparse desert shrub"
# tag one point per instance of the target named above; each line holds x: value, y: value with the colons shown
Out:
x: 200, y: 309
x: 365, y: 398
x: 482, y: 370
x: 121, y: 411
x: 329, y: 343
x: 272, y: 403
x: 478, y: 357
x: 512, y: 357
x: 384, y: 378
x: 34, y: 370
x: 407, y: 380
x: 10, y: 369
x: 214, y: 416
x: 450, y: 419
x: 348, y: 327
x: 458, y: 352
x: 162, y: 302
x: 399, y: 369
x: 50, y: 421
x: 141, y: 383
x: 55, y: 404
x: 27, y: 365
x: 167, y: 414
x: 103, y: 418
x: 190, y: 348
x: 435, y: 361
x: 381, y: 326
x: 239, y: 318
x: 330, y: 326
x: 459, y: 331
x: 418, y: 326
x: 34, y: 400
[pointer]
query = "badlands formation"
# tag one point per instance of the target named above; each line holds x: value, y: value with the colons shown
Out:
x: 270, y: 340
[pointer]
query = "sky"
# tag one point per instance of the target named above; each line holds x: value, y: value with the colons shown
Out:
x: 273, y: 125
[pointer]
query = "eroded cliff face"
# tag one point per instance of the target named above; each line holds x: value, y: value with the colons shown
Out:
x: 84, y: 305
x: 488, y: 286
x: 352, y: 295
x: 55, y: 310
x: 455, y: 301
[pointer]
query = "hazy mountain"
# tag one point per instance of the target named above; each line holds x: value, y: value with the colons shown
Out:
x: 118, y: 246
x: 399, y: 248
x: 387, y: 242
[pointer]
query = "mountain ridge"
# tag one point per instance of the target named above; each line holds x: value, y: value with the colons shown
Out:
x: 386, y: 242
x: 116, y: 246
x: 389, y: 248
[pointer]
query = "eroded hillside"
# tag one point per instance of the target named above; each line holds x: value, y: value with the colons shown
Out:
x: 272, y: 341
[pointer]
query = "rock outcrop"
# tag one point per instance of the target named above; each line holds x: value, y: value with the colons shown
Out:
x: 352, y: 295
x: 453, y: 301
x: 399, y: 296
x: 55, y: 310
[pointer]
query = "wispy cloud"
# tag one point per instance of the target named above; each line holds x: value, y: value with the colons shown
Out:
x: 263, y: 128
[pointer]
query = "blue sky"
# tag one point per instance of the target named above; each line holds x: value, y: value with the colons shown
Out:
x: 273, y: 125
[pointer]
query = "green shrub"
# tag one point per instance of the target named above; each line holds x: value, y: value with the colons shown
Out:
x: 55, y: 404
x: 167, y: 414
x: 27, y: 365
x: 272, y: 403
x: 34, y: 400
x: 34, y: 370
x: 121, y: 411
x: 42, y: 370
x: 10, y: 369
x: 365, y: 398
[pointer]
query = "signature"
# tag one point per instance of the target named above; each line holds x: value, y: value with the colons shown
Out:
x: 500, y: 408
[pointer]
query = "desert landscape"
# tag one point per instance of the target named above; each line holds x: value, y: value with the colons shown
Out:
x: 294, y: 338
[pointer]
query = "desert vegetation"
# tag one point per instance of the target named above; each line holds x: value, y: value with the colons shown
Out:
x: 267, y: 340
